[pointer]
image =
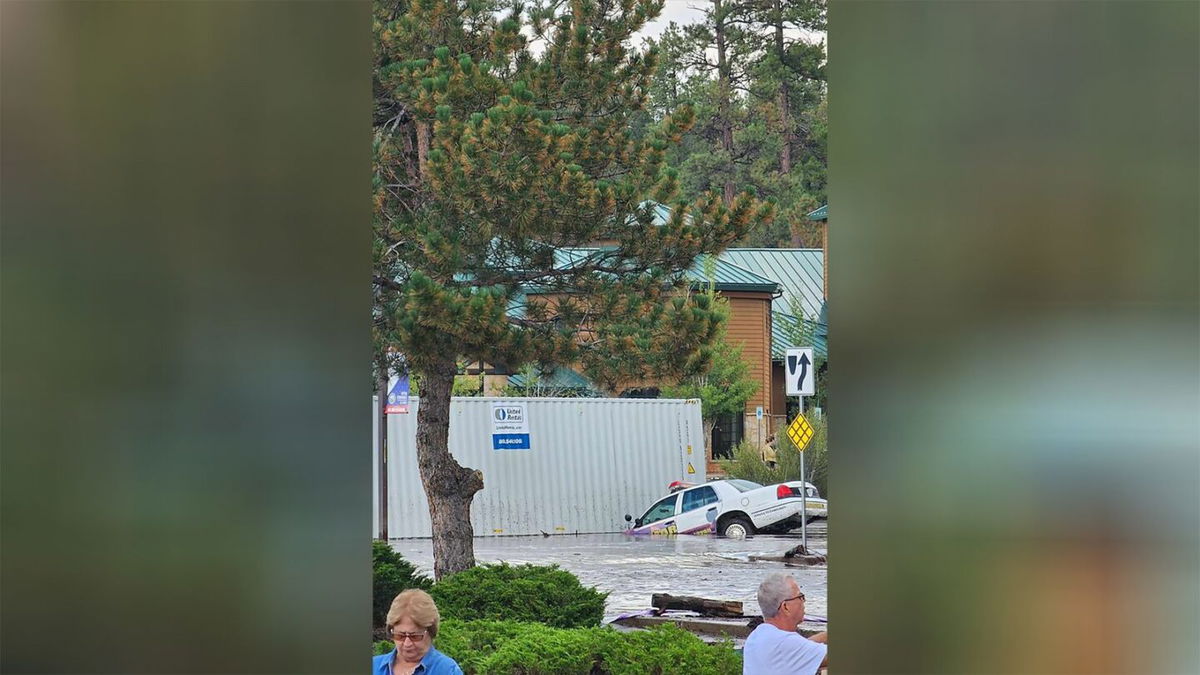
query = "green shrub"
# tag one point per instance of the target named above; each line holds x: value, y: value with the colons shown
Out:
x: 748, y: 464
x: 471, y: 642
x: 486, y: 647
x: 541, y: 649
x: 390, y: 575
x: 383, y: 647
x: 543, y: 594
x: 669, y: 649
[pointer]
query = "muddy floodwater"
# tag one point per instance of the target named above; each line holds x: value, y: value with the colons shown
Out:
x: 632, y: 568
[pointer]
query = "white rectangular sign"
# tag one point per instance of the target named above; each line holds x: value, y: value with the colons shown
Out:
x: 510, y: 427
x: 801, y: 372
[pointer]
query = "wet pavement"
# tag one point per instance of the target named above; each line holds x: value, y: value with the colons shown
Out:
x: 633, y: 568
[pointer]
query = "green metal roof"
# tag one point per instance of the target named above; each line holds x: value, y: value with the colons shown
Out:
x: 659, y: 213
x: 820, y: 214
x: 799, y: 271
x: 558, y: 378
x: 662, y: 213
x: 782, y: 326
x: 728, y: 276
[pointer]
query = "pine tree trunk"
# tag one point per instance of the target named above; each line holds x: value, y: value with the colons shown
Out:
x: 785, y: 155
x: 724, y: 94
x: 423, y: 133
x: 411, y: 153
x: 449, y: 486
x: 709, y: 425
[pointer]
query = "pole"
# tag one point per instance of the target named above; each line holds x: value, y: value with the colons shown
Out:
x: 381, y: 439
x: 803, y: 495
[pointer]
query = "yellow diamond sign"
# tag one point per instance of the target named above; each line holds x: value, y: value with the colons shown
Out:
x: 801, y: 432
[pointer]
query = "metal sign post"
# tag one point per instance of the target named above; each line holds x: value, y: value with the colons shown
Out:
x: 801, y: 381
x: 381, y: 466
x: 803, y: 494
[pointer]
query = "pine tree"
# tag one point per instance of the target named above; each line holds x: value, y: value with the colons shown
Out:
x: 760, y: 110
x: 723, y: 388
x: 721, y: 33
x: 501, y: 154
x: 789, y: 80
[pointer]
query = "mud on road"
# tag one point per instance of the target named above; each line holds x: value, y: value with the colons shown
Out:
x: 630, y: 569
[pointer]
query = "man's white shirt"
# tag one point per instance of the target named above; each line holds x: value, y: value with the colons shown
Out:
x: 771, y: 651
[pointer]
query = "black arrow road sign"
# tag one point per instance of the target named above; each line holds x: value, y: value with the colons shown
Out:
x: 798, y: 362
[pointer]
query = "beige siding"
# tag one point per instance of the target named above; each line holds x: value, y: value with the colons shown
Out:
x: 750, y: 327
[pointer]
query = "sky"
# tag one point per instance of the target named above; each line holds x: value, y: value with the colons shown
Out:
x: 680, y: 11
x: 684, y: 12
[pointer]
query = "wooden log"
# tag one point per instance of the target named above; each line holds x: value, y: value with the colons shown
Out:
x: 730, y: 608
x: 712, y: 628
x: 797, y: 561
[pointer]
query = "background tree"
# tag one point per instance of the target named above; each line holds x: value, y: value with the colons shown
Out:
x: 747, y: 462
x: 760, y: 111
x: 789, y: 85
x: 720, y: 52
x: 801, y: 330
x: 495, y: 163
x: 725, y: 386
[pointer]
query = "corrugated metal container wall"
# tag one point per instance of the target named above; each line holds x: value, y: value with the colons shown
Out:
x: 590, y: 462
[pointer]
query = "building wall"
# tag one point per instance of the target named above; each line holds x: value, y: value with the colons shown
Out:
x: 750, y: 327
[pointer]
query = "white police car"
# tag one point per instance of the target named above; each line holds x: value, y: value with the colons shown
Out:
x: 731, y: 507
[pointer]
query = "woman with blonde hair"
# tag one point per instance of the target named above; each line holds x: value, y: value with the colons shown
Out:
x: 412, y: 622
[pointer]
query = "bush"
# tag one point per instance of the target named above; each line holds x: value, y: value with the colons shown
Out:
x: 548, y: 595
x: 485, y: 647
x: 748, y: 464
x: 669, y: 649
x: 471, y: 642
x: 391, y: 574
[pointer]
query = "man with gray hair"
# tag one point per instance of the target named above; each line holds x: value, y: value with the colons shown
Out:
x: 775, y: 648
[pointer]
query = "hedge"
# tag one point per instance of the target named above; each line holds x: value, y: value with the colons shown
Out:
x: 390, y: 575
x: 543, y: 594
x: 492, y: 647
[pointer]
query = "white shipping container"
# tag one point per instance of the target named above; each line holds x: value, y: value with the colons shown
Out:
x: 589, y: 462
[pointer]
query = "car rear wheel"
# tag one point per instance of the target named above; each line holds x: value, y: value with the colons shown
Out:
x: 737, y: 527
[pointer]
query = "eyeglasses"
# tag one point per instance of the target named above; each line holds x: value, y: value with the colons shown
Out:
x: 798, y: 597
x: 413, y: 637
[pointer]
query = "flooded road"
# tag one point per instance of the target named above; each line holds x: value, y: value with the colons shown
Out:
x: 630, y: 569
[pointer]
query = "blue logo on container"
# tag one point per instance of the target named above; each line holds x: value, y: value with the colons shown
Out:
x: 510, y: 441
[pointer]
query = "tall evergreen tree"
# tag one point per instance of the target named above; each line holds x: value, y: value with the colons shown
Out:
x: 726, y: 384
x: 760, y: 110
x: 500, y: 155
x: 720, y: 51
x: 789, y: 82
x: 792, y: 64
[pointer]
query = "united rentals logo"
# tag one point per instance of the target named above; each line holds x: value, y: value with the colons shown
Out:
x: 512, y: 415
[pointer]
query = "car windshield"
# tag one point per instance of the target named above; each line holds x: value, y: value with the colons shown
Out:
x: 664, y: 508
x: 743, y: 485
